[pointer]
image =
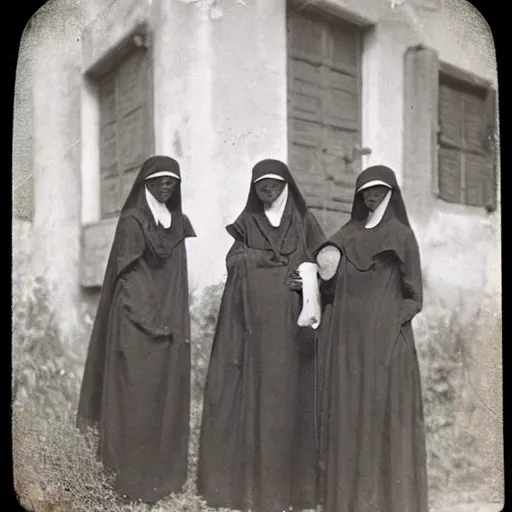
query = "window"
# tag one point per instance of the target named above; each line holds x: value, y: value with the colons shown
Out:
x: 324, y: 111
x: 466, y: 167
x: 126, y: 128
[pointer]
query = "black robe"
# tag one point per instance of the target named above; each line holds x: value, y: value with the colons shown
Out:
x: 373, y: 455
x: 136, y: 383
x: 257, y: 447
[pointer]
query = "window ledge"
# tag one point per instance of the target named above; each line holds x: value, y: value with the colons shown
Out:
x: 109, y: 33
x: 96, y: 242
x: 464, y: 209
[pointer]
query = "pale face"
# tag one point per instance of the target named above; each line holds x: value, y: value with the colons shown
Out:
x: 162, y: 188
x: 269, y: 189
x: 373, y: 196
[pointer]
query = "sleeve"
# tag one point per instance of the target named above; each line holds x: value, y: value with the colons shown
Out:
x: 327, y: 291
x: 412, y: 285
x: 254, y: 258
x: 140, y: 304
x: 137, y: 297
x: 240, y: 251
x: 235, y: 255
x: 237, y: 230
x: 237, y: 273
x: 335, y: 240
x: 188, y: 229
x: 130, y: 242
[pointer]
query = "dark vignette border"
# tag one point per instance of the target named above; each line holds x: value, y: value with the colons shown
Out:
x: 495, y: 14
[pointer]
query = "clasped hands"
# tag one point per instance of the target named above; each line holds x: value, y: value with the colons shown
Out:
x: 294, y: 281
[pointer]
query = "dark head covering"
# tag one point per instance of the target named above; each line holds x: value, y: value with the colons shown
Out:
x: 396, y: 204
x: 269, y: 166
x: 361, y: 245
x: 160, y: 241
x: 157, y: 163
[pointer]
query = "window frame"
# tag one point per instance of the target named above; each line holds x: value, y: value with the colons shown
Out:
x: 331, y: 21
x: 101, y: 51
x: 137, y: 40
x: 461, y: 80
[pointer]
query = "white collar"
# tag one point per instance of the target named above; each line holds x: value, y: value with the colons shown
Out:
x: 275, y: 211
x: 159, y: 210
x: 375, y: 217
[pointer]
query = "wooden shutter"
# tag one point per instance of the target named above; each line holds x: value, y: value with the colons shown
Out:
x: 473, y: 154
x: 126, y: 135
x: 108, y: 146
x: 491, y: 178
x: 450, y: 144
x: 465, y: 163
x: 324, y: 111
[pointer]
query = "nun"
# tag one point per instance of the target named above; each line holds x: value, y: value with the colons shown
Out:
x: 136, y: 382
x: 372, y: 442
x: 258, y: 448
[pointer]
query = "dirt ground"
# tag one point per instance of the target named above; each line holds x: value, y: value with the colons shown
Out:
x: 468, y: 507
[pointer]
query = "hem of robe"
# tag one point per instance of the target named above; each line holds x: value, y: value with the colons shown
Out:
x: 151, y: 498
x: 126, y: 491
x: 245, y: 506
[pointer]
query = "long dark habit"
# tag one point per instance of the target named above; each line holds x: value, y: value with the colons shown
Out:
x: 257, y: 444
x: 373, y: 454
x: 136, y: 382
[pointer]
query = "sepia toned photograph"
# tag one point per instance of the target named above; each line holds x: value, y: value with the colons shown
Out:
x: 256, y: 258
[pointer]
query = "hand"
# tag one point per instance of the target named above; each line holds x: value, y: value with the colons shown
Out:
x: 265, y: 259
x: 294, y: 281
x: 277, y: 261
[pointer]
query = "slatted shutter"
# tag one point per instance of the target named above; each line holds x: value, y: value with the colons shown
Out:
x: 126, y: 131
x: 450, y: 144
x: 491, y: 181
x: 466, y: 164
x: 324, y: 112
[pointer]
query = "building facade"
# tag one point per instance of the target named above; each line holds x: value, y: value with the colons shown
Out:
x: 329, y: 86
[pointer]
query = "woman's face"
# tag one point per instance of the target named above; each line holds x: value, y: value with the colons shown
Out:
x: 269, y: 189
x: 373, y: 196
x: 162, y: 187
